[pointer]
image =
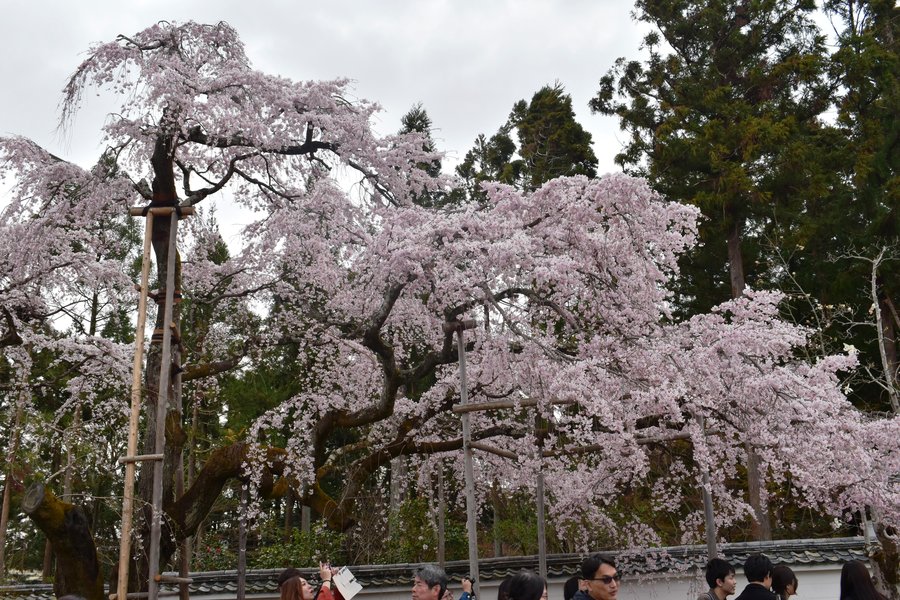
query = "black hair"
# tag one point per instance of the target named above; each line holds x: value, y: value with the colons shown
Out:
x: 856, y: 583
x: 503, y: 588
x: 717, y: 568
x: 783, y: 576
x: 570, y: 588
x: 590, y: 564
x: 433, y: 575
x: 757, y: 567
x: 526, y: 585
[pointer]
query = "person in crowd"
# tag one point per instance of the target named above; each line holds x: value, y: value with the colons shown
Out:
x: 288, y: 573
x: 758, y: 570
x: 467, y: 593
x: 429, y: 583
x: 599, y: 578
x: 298, y: 588
x: 856, y: 583
x: 784, y: 582
x: 571, y: 587
x: 720, y: 577
x: 503, y: 589
x: 527, y: 585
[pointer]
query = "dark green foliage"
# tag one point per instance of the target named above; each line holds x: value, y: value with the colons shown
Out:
x: 551, y: 144
x: 417, y: 120
x: 719, y: 116
x: 302, y: 550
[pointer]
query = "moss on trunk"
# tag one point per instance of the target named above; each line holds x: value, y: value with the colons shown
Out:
x: 67, y: 529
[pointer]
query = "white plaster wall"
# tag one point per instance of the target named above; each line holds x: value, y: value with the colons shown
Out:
x: 818, y: 582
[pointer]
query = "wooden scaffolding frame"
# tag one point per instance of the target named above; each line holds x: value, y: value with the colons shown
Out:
x: 465, y: 407
x: 165, y: 375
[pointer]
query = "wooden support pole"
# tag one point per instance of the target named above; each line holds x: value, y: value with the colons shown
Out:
x: 139, y: 595
x: 184, y: 547
x: 162, y: 402
x: 441, y: 522
x: 139, y: 458
x: 468, y: 460
x: 539, y: 495
x: 163, y: 578
x: 505, y: 403
x: 137, y: 370
x: 160, y: 211
x: 708, y: 513
x: 493, y: 450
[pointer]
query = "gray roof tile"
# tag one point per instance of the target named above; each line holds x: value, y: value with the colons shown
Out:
x: 658, y: 560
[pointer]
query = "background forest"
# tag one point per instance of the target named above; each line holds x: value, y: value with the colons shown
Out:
x: 781, y: 136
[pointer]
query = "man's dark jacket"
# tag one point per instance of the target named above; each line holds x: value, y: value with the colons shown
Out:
x: 582, y: 595
x: 756, y: 591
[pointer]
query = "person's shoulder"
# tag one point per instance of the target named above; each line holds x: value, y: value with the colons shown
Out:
x: 581, y: 595
x: 756, y: 591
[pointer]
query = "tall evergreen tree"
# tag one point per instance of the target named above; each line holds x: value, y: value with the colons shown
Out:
x: 551, y: 144
x: 867, y: 67
x: 416, y: 120
x: 720, y: 115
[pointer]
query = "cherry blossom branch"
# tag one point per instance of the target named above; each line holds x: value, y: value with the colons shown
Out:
x: 553, y: 352
x: 195, y: 196
x: 374, y: 180
x: 196, y: 135
x: 209, y: 369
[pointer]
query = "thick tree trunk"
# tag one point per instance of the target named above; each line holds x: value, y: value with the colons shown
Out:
x: 67, y: 530
x: 761, y: 527
x: 886, y: 562
x: 8, y: 483
x: 735, y: 257
x: 164, y: 194
x: 174, y: 438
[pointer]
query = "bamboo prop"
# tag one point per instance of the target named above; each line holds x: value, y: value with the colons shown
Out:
x: 162, y: 402
x: 129, y: 460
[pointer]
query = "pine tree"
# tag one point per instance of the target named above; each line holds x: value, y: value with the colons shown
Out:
x: 722, y: 121
x: 551, y: 144
x: 416, y: 120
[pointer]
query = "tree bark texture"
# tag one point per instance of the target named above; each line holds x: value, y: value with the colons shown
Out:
x: 886, y: 562
x: 67, y: 529
x: 761, y: 526
x: 8, y: 484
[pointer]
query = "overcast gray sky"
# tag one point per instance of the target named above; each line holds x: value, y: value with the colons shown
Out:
x: 467, y: 61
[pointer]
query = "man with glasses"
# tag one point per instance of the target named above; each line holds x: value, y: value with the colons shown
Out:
x: 599, y: 579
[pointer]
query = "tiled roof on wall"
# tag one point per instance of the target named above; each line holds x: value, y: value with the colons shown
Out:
x: 675, y: 559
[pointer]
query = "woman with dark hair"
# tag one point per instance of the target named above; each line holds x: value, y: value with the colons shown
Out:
x: 856, y: 583
x: 298, y: 588
x: 784, y: 582
x: 527, y: 585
